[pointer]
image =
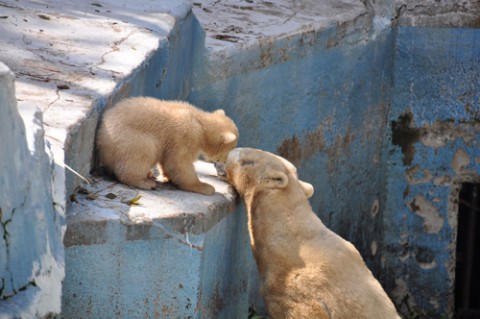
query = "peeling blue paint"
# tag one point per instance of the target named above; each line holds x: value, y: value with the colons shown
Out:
x: 326, y: 111
x: 436, y: 80
x: 331, y: 112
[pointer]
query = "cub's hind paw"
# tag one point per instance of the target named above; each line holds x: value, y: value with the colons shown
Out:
x: 145, y: 184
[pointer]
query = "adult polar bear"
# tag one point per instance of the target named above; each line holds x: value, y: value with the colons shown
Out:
x: 307, y: 271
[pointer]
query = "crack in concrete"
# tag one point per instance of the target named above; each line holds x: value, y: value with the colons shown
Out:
x: 47, y: 77
x: 114, y: 49
x: 3, y: 4
x: 2, y: 287
x: 368, y: 5
x: 181, y: 240
x: 398, y: 12
x: 6, y: 237
x: 31, y: 283
x: 290, y: 17
x: 57, y: 92
x: 4, y: 227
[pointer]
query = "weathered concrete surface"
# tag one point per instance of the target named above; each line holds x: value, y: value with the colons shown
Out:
x: 241, y: 24
x: 172, y: 254
x: 245, y: 36
x: 435, y: 148
x: 31, y: 251
x: 182, y: 212
x: 438, y: 13
x: 74, y: 59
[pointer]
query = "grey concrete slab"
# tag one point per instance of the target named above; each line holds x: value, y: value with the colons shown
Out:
x: 71, y: 59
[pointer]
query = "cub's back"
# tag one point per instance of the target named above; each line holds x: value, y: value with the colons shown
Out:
x: 145, y: 114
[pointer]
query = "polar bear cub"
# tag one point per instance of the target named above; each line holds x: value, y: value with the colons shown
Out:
x: 306, y: 270
x: 138, y: 133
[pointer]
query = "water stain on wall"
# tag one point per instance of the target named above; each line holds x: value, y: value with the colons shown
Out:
x: 296, y: 151
x: 405, y: 136
x: 437, y: 134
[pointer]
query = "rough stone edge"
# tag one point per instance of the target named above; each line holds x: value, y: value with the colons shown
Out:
x: 264, y: 52
x: 42, y: 296
x: 415, y: 13
x: 166, y: 211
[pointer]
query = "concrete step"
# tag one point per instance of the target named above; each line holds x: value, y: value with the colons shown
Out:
x: 156, y: 254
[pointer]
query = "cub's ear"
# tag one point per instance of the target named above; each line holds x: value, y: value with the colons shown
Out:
x: 276, y: 179
x: 219, y: 111
x: 307, y: 188
x: 228, y: 137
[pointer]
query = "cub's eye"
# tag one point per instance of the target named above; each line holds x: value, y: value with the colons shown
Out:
x: 247, y: 163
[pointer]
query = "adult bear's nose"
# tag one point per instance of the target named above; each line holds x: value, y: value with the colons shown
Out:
x: 220, y: 167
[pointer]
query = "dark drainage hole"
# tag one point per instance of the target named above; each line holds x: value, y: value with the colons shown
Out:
x: 467, y: 270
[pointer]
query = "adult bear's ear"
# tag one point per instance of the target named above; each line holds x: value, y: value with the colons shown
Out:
x: 307, y: 188
x: 219, y: 111
x: 276, y: 179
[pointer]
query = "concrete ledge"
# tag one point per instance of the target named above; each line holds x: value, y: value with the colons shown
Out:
x: 72, y: 60
x: 258, y: 22
x: 167, y: 208
x: 252, y: 35
x: 172, y: 254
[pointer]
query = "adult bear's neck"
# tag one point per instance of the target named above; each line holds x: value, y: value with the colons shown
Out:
x: 273, y: 227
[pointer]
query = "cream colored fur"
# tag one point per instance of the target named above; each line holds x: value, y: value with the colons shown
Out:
x: 138, y: 133
x: 307, y: 271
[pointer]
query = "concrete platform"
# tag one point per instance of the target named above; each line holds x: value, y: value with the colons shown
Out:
x: 72, y: 60
x: 245, y: 36
x: 167, y: 254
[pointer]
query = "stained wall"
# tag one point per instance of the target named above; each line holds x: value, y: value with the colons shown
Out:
x: 434, y: 135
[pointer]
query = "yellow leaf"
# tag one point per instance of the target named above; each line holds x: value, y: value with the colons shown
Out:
x: 133, y: 201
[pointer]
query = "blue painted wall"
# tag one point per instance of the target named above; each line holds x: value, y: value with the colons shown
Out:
x: 383, y: 125
x: 139, y: 271
x: 434, y: 148
x: 324, y: 107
